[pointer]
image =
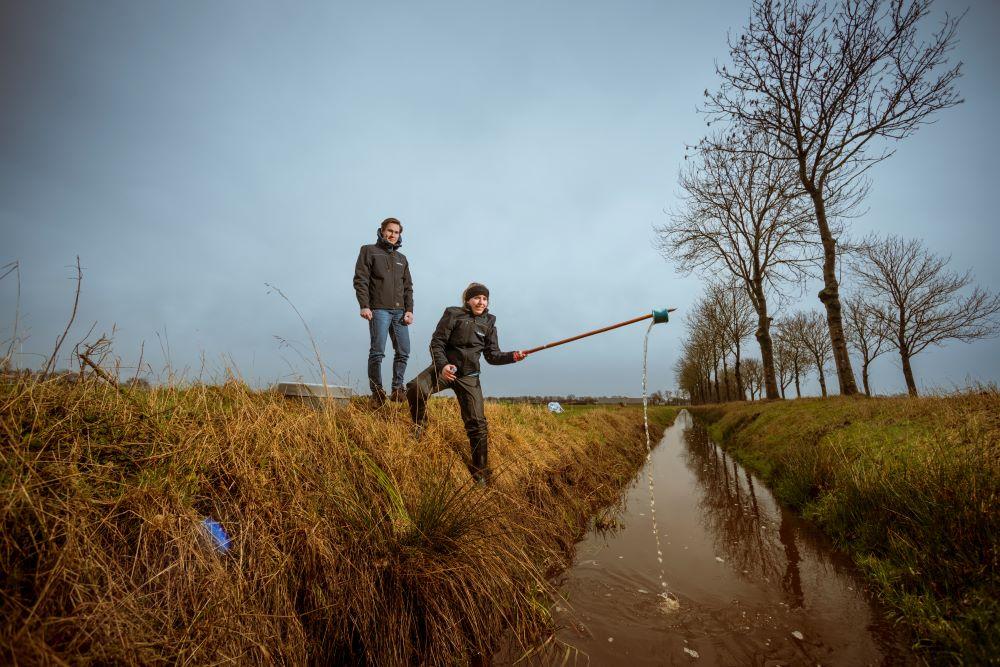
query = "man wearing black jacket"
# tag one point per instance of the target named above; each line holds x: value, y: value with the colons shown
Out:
x: 384, y: 289
x: 462, y: 334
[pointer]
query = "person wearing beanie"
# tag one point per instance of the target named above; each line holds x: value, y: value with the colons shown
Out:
x: 463, y: 334
x: 384, y: 290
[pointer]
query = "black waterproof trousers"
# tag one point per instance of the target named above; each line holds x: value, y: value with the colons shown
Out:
x: 470, y: 403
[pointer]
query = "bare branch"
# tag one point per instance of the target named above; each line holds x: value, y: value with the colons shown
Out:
x: 15, y: 268
x: 923, y: 300
x: 50, y: 364
x: 312, y: 339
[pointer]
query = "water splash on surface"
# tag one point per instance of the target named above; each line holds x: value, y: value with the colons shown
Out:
x: 669, y: 601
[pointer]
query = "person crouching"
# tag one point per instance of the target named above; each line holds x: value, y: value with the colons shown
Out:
x: 461, y: 336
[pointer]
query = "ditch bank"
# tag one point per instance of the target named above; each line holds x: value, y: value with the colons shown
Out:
x: 909, y: 487
x: 347, y: 541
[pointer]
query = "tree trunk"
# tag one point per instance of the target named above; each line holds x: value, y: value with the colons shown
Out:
x: 830, y: 297
x: 763, y: 336
x: 718, y: 397
x: 798, y: 389
x: 725, y: 377
x: 911, y: 386
x: 822, y: 377
x: 740, y: 391
x: 864, y: 377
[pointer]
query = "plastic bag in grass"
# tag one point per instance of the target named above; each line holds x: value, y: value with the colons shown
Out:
x: 217, y: 533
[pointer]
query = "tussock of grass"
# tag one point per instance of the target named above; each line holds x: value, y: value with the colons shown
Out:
x: 910, y: 486
x: 351, y: 542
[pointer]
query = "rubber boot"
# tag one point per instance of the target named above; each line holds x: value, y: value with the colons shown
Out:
x: 480, y: 465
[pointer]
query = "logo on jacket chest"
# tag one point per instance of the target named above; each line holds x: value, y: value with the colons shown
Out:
x: 480, y: 334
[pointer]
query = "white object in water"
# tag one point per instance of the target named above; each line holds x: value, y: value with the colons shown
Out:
x: 555, y: 407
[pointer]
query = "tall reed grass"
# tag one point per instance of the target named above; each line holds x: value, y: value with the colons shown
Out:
x: 909, y: 486
x: 350, y: 541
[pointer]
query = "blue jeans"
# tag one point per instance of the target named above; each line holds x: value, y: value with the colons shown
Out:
x: 387, y: 323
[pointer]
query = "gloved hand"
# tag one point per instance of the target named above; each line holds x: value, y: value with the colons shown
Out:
x: 518, y: 355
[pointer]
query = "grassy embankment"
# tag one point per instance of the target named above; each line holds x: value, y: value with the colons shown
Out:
x: 350, y: 540
x: 909, y: 487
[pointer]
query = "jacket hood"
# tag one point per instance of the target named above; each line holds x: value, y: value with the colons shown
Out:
x: 382, y: 243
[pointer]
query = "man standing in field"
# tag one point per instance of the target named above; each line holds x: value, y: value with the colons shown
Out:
x: 385, y: 294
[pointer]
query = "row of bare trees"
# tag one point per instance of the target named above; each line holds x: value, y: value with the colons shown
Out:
x: 906, y: 299
x: 814, y: 95
x: 713, y: 366
x: 717, y: 328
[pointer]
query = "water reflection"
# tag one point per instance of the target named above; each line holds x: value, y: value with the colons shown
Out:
x: 757, y: 584
x: 754, y: 533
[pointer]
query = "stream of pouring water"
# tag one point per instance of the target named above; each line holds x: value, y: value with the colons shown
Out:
x: 670, y: 602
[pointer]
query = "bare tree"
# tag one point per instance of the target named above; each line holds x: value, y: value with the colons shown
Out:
x: 688, y: 379
x: 867, y: 332
x: 705, y: 347
x: 830, y: 84
x: 784, y: 363
x: 924, y: 298
x: 808, y: 330
x: 713, y: 331
x: 703, y: 323
x: 796, y: 355
x: 754, y: 371
x: 733, y: 315
x: 743, y: 214
x: 693, y: 371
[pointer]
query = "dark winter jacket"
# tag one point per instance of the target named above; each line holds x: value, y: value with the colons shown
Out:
x: 382, y: 277
x: 460, y: 337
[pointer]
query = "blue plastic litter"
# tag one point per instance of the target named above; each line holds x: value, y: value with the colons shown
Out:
x: 661, y: 316
x: 217, y: 533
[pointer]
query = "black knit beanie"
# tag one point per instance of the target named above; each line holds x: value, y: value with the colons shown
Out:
x: 475, y: 289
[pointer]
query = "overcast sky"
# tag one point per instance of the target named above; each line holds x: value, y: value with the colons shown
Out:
x: 192, y: 153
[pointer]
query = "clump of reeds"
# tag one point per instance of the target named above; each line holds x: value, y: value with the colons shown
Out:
x: 350, y: 541
x: 910, y: 486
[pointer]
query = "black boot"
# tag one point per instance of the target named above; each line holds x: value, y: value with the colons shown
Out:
x: 480, y: 465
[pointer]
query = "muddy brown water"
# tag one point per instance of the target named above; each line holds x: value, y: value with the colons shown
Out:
x: 756, y: 584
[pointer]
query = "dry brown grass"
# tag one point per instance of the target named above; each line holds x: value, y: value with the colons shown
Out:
x: 351, y: 542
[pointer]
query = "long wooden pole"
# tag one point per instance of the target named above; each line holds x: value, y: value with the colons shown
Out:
x: 590, y: 333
